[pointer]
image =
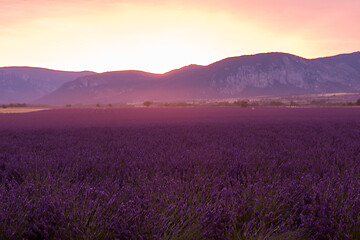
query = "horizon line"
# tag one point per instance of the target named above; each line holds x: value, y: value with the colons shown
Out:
x: 137, y: 70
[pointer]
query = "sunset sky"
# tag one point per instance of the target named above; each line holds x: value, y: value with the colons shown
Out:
x: 160, y: 35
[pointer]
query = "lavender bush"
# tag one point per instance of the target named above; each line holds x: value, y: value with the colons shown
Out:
x: 269, y: 180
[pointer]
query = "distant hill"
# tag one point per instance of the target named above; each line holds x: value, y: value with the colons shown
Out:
x: 109, y: 87
x: 24, y: 84
x: 266, y: 74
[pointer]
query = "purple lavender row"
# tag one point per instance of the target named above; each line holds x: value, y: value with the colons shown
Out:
x: 298, y: 180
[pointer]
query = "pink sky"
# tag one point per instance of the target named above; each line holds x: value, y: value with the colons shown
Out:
x: 158, y: 36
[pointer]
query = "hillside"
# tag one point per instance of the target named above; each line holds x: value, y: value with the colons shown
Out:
x: 24, y: 84
x: 267, y: 74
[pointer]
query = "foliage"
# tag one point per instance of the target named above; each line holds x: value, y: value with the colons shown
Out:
x: 243, y: 103
x: 293, y: 103
x: 147, y: 103
x: 275, y: 103
x: 177, y: 104
x: 13, y: 105
x: 245, y: 180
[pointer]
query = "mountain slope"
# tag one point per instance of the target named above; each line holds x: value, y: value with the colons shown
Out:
x: 279, y: 74
x: 24, y: 84
x: 267, y: 74
x: 103, y: 88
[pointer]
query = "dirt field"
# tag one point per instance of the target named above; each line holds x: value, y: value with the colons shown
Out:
x: 21, y: 110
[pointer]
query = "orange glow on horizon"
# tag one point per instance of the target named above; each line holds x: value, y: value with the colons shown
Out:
x: 158, y: 36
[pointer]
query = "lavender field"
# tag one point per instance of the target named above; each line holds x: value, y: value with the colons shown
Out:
x: 180, y: 173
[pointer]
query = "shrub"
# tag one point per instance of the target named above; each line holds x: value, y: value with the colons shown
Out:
x: 293, y: 103
x: 147, y: 103
x: 275, y: 103
x: 14, y: 105
x: 244, y: 104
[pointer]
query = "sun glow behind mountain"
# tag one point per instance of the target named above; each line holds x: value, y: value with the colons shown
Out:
x: 158, y: 36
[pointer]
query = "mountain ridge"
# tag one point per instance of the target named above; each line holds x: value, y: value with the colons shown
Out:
x: 271, y: 74
x: 24, y: 84
x: 263, y: 74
